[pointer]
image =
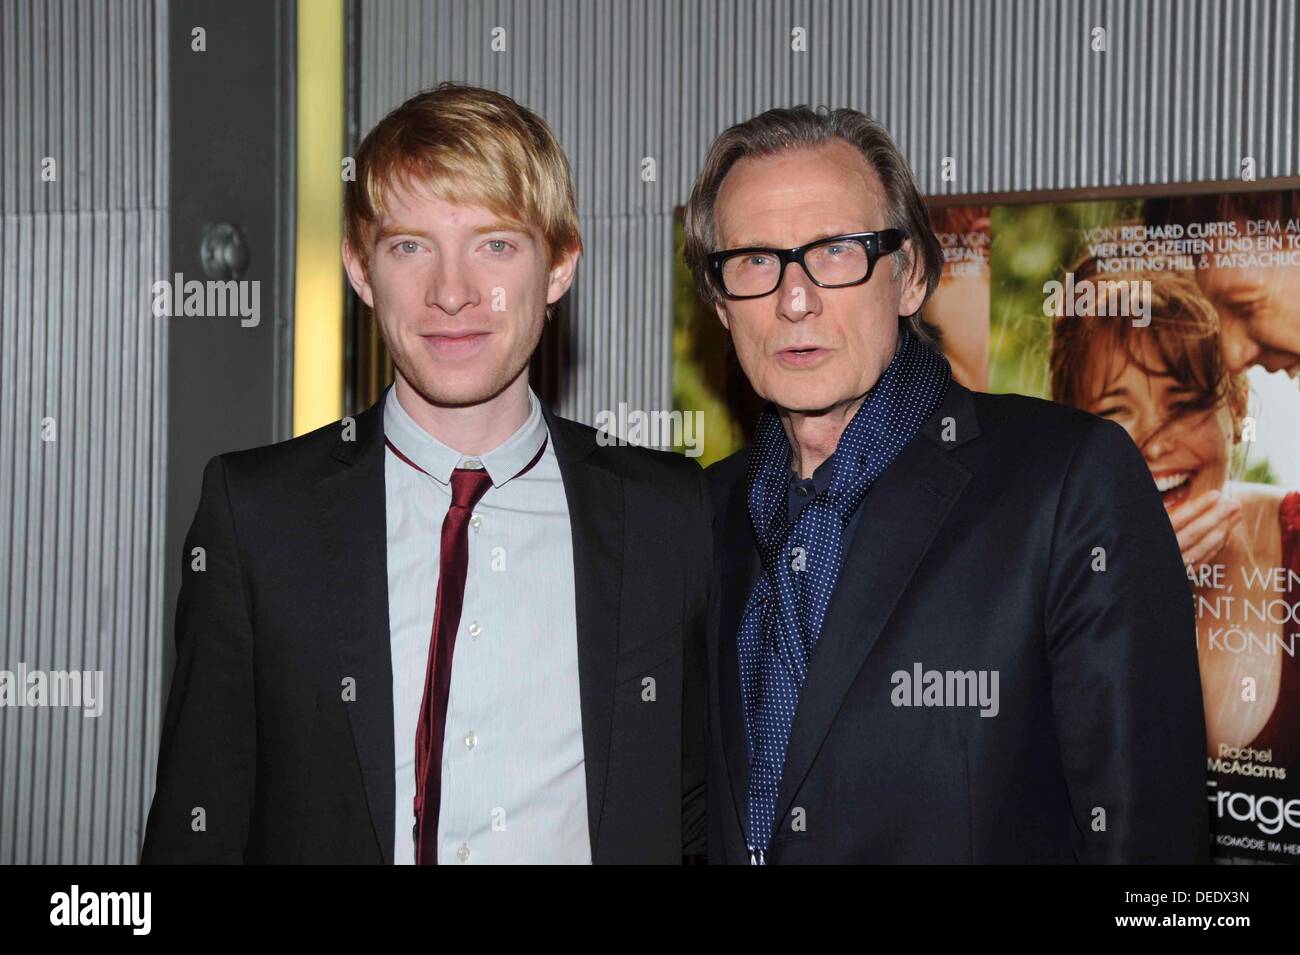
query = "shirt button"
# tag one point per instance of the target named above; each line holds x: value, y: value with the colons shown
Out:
x: 463, y: 853
x: 474, y: 463
x: 471, y: 740
x: 475, y: 521
x: 801, y: 491
x: 475, y: 629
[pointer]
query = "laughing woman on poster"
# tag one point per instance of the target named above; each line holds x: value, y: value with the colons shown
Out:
x: 1167, y: 385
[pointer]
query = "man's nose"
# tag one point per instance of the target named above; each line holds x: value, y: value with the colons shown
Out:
x: 449, y: 290
x: 1238, y: 348
x: 797, y: 295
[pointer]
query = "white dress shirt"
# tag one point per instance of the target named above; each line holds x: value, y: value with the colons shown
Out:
x: 513, y: 778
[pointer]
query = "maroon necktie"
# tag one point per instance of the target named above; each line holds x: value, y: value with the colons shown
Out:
x: 467, y: 488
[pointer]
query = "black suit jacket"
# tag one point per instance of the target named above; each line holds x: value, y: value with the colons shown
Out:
x: 294, y: 598
x: 977, y: 550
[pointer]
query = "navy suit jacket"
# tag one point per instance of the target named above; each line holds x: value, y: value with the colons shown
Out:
x: 1010, y: 536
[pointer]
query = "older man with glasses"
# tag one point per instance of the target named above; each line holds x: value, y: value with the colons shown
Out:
x: 953, y: 627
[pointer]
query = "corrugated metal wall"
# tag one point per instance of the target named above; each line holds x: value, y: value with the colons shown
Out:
x: 1011, y: 90
x: 85, y: 84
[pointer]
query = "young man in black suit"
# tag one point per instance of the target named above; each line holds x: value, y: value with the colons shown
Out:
x: 332, y: 581
x: 955, y: 627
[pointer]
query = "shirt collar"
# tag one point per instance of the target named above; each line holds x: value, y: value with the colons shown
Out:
x: 820, y: 480
x: 438, y: 460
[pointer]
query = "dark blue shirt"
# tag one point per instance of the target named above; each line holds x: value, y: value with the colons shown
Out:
x: 803, y: 490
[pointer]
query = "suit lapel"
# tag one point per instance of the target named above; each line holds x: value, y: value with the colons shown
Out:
x: 901, y: 516
x: 595, y: 499
x: 739, y: 570
x: 355, y: 537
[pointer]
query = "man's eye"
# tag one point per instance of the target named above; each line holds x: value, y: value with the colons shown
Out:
x: 499, y: 246
x: 408, y: 247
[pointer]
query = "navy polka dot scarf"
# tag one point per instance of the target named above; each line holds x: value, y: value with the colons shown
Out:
x: 801, y: 561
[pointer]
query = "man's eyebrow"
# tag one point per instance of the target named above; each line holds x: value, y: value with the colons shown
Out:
x: 826, y: 234
x: 1113, y: 393
x: 398, y: 228
x: 502, y: 225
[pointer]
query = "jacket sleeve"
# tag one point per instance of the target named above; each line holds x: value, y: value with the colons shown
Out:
x: 202, y: 806
x: 1121, y: 644
x: 695, y: 681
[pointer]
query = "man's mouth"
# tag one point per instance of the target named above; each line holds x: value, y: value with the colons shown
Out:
x: 801, y: 356
x: 1174, y: 486
x: 455, y: 344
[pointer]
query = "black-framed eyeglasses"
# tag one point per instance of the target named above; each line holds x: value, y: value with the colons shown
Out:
x: 835, y: 262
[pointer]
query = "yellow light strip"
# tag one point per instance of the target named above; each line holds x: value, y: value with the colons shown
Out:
x: 318, y: 297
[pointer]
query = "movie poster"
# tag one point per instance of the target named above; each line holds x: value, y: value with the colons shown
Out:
x: 957, y: 313
x: 1179, y: 319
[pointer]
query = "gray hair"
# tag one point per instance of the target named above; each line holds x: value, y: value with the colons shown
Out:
x: 778, y: 130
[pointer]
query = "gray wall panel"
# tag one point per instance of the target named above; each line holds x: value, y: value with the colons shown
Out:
x: 1010, y: 89
x: 81, y: 518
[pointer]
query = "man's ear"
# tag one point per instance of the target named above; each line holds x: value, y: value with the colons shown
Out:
x: 357, y: 275
x: 560, y: 276
x: 722, y: 315
x: 912, y: 294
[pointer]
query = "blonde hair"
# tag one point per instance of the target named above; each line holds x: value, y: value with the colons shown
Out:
x: 467, y: 145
